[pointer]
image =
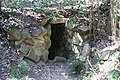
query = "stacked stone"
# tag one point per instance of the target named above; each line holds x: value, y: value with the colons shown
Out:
x: 32, y: 42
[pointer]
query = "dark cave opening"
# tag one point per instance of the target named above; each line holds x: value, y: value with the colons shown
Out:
x: 57, y: 40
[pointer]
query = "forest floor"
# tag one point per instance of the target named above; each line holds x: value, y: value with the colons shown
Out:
x: 41, y: 71
x: 50, y: 71
x: 38, y: 71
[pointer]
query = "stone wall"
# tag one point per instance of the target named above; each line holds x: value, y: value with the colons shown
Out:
x: 30, y: 36
x: 32, y: 43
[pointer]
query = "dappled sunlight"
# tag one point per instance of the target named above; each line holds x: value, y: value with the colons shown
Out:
x: 59, y: 40
x: 112, y: 47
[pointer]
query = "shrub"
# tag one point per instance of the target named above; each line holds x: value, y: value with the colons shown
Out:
x: 18, y: 70
x: 113, y: 75
x: 75, y: 66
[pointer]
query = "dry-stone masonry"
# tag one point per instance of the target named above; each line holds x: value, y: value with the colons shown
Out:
x: 32, y: 42
x: 32, y: 36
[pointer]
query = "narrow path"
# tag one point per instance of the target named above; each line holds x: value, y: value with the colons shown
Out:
x: 49, y: 71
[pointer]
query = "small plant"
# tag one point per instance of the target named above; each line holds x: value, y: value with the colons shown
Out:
x: 92, y: 74
x: 51, y: 15
x: 75, y: 66
x: 113, y: 75
x: 88, y: 77
x: 17, y: 71
x: 12, y: 28
x: 71, y: 22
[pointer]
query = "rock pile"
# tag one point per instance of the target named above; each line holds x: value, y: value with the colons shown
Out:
x: 31, y: 35
x: 31, y: 41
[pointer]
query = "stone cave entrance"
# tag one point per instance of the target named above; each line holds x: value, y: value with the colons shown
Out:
x: 57, y: 40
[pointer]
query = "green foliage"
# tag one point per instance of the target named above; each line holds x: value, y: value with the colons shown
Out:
x: 45, y: 3
x: 73, y: 2
x: 113, y: 75
x: 51, y: 15
x: 92, y: 72
x: 20, y: 3
x: 75, y: 66
x: 13, y: 28
x: 82, y: 9
x: 78, y: 3
x: 30, y: 3
x: 89, y: 76
x: 1, y: 47
x: 18, y: 70
x: 71, y: 22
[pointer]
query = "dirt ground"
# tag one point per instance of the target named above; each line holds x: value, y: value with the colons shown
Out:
x: 50, y: 71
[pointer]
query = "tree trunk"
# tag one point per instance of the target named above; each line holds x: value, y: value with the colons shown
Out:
x: 113, y: 25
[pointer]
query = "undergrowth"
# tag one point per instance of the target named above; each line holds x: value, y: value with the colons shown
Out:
x: 75, y: 66
x: 17, y: 71
x: 113, y: 75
